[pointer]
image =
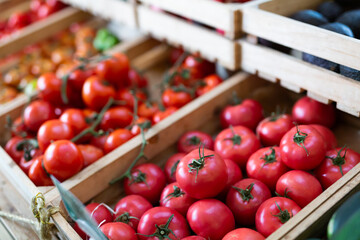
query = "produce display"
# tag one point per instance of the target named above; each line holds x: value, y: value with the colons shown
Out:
x: 248, y: 180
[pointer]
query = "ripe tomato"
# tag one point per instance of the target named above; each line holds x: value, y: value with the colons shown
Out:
x: 136, y: 129
x: 116, y: 139
x: 163, y: 114
x: 243, y: 234
x: 272, y: 129
x: 210, y: 218
x: 116, y: 117
x: 115, y: 70
x: 49, y: 87
x: 44, y: 11
x: 97, y: 92
x: 234, y: 175
x: 204, y: 67
x: 175, y: 98
x: 194, y: 238
x: 10, y: 148
x: 193, y: 140
x: 337, y: 162
x: 18, y: 20
x: 171, y: 166
x: 147, y: 180
x: 90, y: 154
x: 266, y: 165
x: 248, y: 113
x: 36, y: 113
x: 130, y: 209
x: 300, y: 186
x: 175, y: 54
x: 237, y: 144
x: 75, y: 118
x: 328, y: 135
x: 28, y: 159
x: 244, y: 198
x: 309, y: 111
x: 302, y: 148
x: 273, y: 213
x: 99, y: 141
x: 63, y: 159
x: 199, y: 170
x: 118, y: 231
x: 209, y: 83
x: 162, y: 222
x: 53, y: 130
x: 147, y: 110
x: 37, y: 173
x: 174, y: 197
x: 127, y: 97
x: 78, y: 77
x: 137, y: 80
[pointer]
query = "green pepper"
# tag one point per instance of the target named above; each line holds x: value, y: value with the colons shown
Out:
x: 104, y: 40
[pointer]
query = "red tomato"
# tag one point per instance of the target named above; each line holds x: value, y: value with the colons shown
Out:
x: 18, y: 20
x: 175, y: 54
x: 130, y: 209
x: 116, y: 139
x: 210, y: 218
x: 328, y: 135
x: 10, y: 148
x: 147, y: 110
x: 244, y: 198
x: 116, y: 117
x: 300, y: 186
x: 115, y: 70
x: 175, y: 98
x: 273, y: 213
x: 193, y: 140
x: 118, y: 231
x: 90, y: 154
x: 137, y: 80
x: 243, y: 234
x: 99, y: 141
x: 75, y: 118
x: 63, y: 159
x: 203, y: 66
x: 147, y: 180
x: 163, y: 114
x: 18, y: 128
x: 96, y: 92
x: 36, y: 113
x: 266, y: 165
x: 136, y: 129
x: 25, y: 163
x: 78, y: 77
x: 209, y: 83
x: 35, y: 4
x: 162, y: 222
x: 55, y: 4
x: 49, y: 87
x: 302, y: 148
x: 248, y: 113
x: 337, y: 162
x: 127, y: 97
x: 309, y: 111
x: 234, y: 175
x: 173, y: 197
x: 44, y: 11
x: 237, y: 144
x: 194, y: 238
x: 200, y: 169
x: 171, y: 166
x: 272, y: 129
x: 53, y: 130
x: 37, y: 173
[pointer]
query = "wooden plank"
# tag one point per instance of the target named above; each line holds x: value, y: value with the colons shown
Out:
x: 344, y: 91
x: 288, y: 7
x: 19, y: 6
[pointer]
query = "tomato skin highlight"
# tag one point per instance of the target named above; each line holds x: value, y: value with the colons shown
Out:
x: 272, y: 129
x: 243, y: 234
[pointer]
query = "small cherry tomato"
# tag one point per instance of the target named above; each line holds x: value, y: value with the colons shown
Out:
x: 118, y: 231
x: 209, y: 83
x: 49, y: 87
x: 75, y: 118
x: 175, y: 54
x: 175, y: 98
x: 116, y: 117
x: 163, y: 114
x: 193, y: 139
x: 53, y: 130
x: 11, y: 146
x: 96, y: 92
x: 137, y: 80
x: 18, y: 20
x: 116, y: 139
x: 127, y: 97
x: 99, y: 141
x: 171, y: 166
x: 243, y: 234
x: 37, y: 173
x: 203, y: 66
x: 147, y: 110
x: 329, y: 137
x: 90, y: 154
x: 28, y: 159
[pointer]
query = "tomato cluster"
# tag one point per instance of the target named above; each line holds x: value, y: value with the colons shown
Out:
x: 257, y: 174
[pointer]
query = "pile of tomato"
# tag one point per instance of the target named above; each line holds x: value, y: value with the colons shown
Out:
x: 246, y: 183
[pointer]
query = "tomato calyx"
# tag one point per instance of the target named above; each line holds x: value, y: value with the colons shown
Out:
x: 194, y: 140
x: 283, y: 216
x: 162, y: 232
x: 339, y: 160
x: 286, y: 194
x: 125, y: 218
x: 197, y: 164
x: 236, y: 139
x: 27, y: 145
x: 176, y: 193
x: 269, y: 158
x: 173, y: 168
x: 139, y: 178
x: 299, y: 139
x: 13, y: 127
x: 245, y: 193
x: 276, y: 115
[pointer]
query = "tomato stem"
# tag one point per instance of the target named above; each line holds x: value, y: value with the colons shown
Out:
x: 283, y: 216
x: 141, y: 177
x: 162, y: 232
x: 245, y: 193
x: 27, y: 145
x: 235, y: 99
x: 198, y: 164
x: 193, y: 141
x: 286, y: 194
x: 125, y: 218
x: 269, y: 158
x: 299, y: 139
x: 176, y: 193
x: 339, y: 160
x: 236, y: 139
x: 173, y: 168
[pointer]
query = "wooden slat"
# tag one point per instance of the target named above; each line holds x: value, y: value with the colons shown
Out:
x: 288, y: 7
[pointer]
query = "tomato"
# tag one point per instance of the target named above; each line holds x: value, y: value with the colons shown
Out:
x: 171, y: 166
x: 36, y: 113
x: 18, y: 128
x: 37, y: 173
x: 309, y: 111
x: 266, y: 165
x: 163, y: 114
x: 10, y: 148
x: 203, y: 66
x: 130, y: 209
x: 61, y: 55
x: 127, y: 97
x: 175, y: 54
x: 328, y: 135
x: 44, y: 11
x: 302, y: 148
x: 99, y: 141
x: 193, y: 140
x: 90, y: 154
x: 243, y: 234
x: 248, y: 114
x: 174, y: 197
x: 55, y: 4
x: 63, y: 159
x: 18, y: 20
x: 116, y: 139
x: 194, y: 238
x: 175, y: 98
x: 96, y: 92
x: 136, y: 129
x: 147, y: 180
x: 27, y: 160
x: 116, y: 117
x: 136, y: 79
x: 147, y: 110
x: 273, y: 213
x: 35, y: 4
x: 78, y: 77
x: 237, y: 144
x: 234, y: 175
x: 162, y: 222
x: 49, y: 87
x: 244, y: 198
x: 118, y: 231
x: 75, y: 118
x: 53, y: 130
x: 115, y: 70
x: 337, y: 162
x: 272, y: 129
x: 201, y: 174
x: 210, y: 218
x: 209, y: 83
